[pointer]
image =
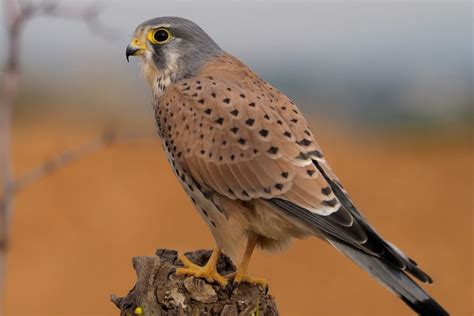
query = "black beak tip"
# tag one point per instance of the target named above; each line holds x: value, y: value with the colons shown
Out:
x: 130, y: 51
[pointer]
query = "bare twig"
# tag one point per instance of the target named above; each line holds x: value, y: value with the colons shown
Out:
x: 16, y: 16
x: 68, y: 156
x: 13, y: 186
x: 9, y: 89
x: 88, y: 15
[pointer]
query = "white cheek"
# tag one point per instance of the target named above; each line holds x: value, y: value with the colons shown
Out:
x: 173, y: 61
x: 152, y: 74
x: 148, y: 56
x: 148, y: 69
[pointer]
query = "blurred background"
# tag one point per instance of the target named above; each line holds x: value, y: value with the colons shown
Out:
x: 387, y: 85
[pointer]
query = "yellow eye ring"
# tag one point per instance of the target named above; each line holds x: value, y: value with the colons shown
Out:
x: 159, y: 36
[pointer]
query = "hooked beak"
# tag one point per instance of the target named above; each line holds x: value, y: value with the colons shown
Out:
x: 135, y: 48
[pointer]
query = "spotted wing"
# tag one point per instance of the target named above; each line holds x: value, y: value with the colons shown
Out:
x: 245, y: 142
x: 238, y: 136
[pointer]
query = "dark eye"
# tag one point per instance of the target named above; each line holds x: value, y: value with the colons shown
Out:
x: 159, y: 36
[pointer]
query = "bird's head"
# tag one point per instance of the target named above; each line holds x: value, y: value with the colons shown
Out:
x: 171, y: 48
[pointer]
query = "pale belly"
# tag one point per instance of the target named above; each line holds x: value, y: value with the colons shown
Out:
x: 230, y: 221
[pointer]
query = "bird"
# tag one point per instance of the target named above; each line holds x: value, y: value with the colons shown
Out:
x: 245, y: 155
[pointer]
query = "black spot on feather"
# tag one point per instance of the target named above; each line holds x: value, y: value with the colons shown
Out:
x: 304, y: 142
x: 273, y: 150
x: 326, y: 191
x: 331, y: 203
x: 316, y: 153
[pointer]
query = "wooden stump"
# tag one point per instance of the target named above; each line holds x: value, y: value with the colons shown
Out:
x: 159, y: 291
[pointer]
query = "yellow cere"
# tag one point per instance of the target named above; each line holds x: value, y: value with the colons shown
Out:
x: 138, y: 311
x: 138, y: 44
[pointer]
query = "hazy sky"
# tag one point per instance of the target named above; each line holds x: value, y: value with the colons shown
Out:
x: 349, y: 32
x: 424, y: 47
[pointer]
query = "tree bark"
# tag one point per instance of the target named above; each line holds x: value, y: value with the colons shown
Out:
x: 159, y: 291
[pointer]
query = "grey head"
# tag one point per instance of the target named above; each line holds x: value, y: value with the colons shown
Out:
x: 172, y: 46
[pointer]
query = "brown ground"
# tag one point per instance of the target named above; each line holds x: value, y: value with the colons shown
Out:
x: 75, y: 232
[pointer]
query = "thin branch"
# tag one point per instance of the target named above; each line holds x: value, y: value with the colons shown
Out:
x: 69, y: 156
x: 88, y: 15
x: 9, y: 82
x: 16, y: 17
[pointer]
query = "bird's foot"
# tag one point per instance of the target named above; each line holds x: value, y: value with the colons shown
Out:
x: 241, y: 277
x: 208, y: 272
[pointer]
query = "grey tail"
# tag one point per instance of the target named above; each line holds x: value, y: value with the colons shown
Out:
x: 395, y: 280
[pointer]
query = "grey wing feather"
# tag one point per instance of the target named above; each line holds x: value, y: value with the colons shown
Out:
x: 395, y: 280
x: 359, y: 235
x: 384, y: 249
x: 348, y: 231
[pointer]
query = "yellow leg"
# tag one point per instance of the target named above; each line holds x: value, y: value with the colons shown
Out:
x: 208, y: 272
x: 241, y: 274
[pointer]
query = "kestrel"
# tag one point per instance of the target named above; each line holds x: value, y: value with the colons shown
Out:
x: 245, y: 155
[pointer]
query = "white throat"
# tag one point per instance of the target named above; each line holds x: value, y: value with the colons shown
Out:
x: 159, y: 79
